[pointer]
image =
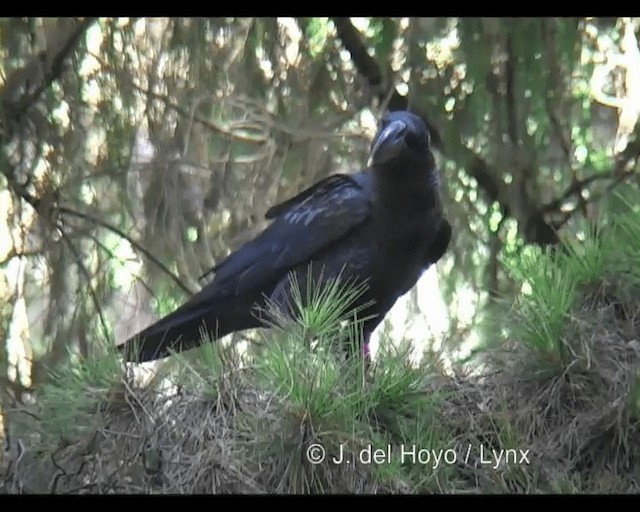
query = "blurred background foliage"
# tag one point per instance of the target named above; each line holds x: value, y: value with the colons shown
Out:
x: 137, y: 152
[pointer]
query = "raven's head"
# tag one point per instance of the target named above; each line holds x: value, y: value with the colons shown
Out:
x: 401, y: 134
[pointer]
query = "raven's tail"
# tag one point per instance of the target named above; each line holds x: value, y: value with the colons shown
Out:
x: 183, y: 329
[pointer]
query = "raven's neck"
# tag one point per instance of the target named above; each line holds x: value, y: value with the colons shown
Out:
x: 410, y: 186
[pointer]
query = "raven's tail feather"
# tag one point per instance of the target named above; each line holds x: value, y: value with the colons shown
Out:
x: 183, y: 329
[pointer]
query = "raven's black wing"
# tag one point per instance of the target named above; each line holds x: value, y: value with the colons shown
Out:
x: 302, y: 226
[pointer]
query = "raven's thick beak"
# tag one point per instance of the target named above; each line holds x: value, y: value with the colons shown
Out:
x: 388, y: 144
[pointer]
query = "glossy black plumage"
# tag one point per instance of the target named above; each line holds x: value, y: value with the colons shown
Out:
x: 383, y: 224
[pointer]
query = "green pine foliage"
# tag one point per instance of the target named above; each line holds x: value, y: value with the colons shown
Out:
x: 551, y: 406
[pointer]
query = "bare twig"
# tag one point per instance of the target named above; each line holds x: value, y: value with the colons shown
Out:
x: 112, y: 256
x: 87, y: 276
x: 134, y: 244
x: 576, y: 188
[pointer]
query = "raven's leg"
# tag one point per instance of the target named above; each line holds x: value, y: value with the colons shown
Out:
x: 358, y: 348
x: 366, y: 352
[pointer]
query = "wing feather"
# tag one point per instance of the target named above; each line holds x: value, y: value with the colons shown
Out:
x: 302, y: 226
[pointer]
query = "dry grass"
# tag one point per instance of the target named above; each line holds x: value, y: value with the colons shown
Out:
x: 185, y: 442
x: 583, y: 421
x: 523, y: 425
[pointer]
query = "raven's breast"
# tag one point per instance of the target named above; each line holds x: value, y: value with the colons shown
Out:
x: 400, y: 256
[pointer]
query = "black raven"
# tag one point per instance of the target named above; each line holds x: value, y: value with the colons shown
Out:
x: 383, y: 225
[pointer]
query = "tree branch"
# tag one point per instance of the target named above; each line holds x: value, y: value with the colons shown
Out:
x: 134, y: 244
x: 616, y: 175
x: 45, y: 210
x: 536, y: 229
x: 52, y: 67
x: 382, y: 88
x: 87, y: 276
